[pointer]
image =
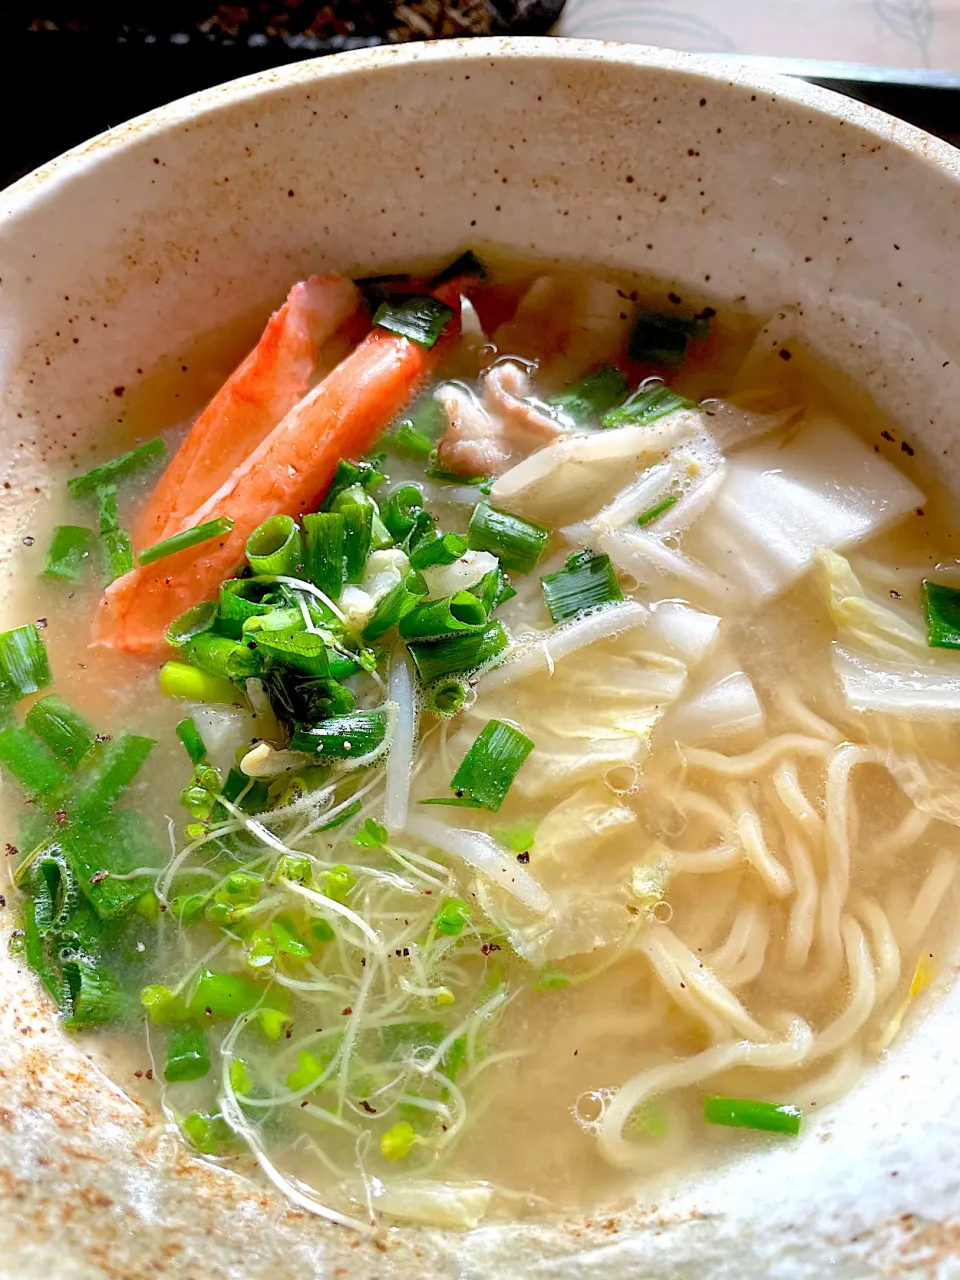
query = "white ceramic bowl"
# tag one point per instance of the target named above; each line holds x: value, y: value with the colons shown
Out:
x: 117, y: 258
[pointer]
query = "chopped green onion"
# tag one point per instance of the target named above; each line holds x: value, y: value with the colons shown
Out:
x: 358, y: 538
x: 349, y: 474
x: 658, y: 509
x: 468, y: 264
x: 274, y: 547
x: 188, y: 1057
x: 357, y: 495
x: 443, y: 548
x: 423, y: 525
x: 459, y: 654
x: 34, y: 952
x: 64, y: 731
x: 401, y: 509
x: 341, y: 737
x: 454, y: 802
x: 746, y: 1113
x: 90, y: 996
x: 108, y: 512
x: 223, y: 657
x: 592, y: 396
x: 117, y: 469
x: 24, y: 667
x: 941, y: 610
x: 661, y: 337
x: 445, y: 698
x: 222, y: 995
x: 438, y: 619
x: 302, y: 650
x: 518, y: 543
x: 187, y: 539
x: 323, y: 551
x: 189, y: 735
x: 198, y: 619
x: 646, y: 405
x: 488, y: 769
x: 493, y: 590
x: 240, y: 599
x: 452, y: 917
x: 178, y: 680
x: 398, y: 1141
x: 107, y: 771
x: 586, y: 581
x: 395, y: 605
x: 70, y: 548
x: 116, y: 554
x: 418, y: 317
x: 34, y: 767
x: 100, y: 850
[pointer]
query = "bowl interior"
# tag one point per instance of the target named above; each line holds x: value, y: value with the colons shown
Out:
x: 134, y: 271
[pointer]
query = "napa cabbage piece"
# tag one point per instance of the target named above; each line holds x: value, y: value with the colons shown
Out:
x: 576, y: 828
x: 582, y: 471
x: 906, y: 695
x: 780, y: 506
x: 720, y: 703
x: 596, y: 706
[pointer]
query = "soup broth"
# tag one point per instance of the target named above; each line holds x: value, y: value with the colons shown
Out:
x: 599, y: 812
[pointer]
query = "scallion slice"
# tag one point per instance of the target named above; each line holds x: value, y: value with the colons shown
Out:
x: 107, y: 771
x: 341, y: 737
x: 592, y: 396
x: 274, y: 547
x: 302, y: 650
x: 324, y: 535
x: 658, y: 509
x: 188, y: 1057
x: 116, y: 554
x: 646, y: 405
x: 101, y: 852
x: 349, y: 474
x: 351, y: 811
x: 70, y: 549
x: 358, y: 538
x: 459, y: 654
x: 221, y: 656
x: 24, y: 667
x: 240, y: 599
x: 488, y: 769
x: 416, y: 435
x: 118, y: 468
x: 193, y: 744
x: 108, y: 512
x: 187, y: 539
x: 90, y: 996
x: 662, y: 337
x: 468, y: 264
x: 441, y: 548
x: 395, y: 605
x: 941, y: 610
x: 400, y: 511
x: 179, y: 680
x: 418, y: 317
x: 586, y: 581
x: 36, y: 769
x: 438, y: 619
x: 493, y: 590
x: 64, y: 731
x: 518, y: 543
x: 197, y: 620
x: 445, y: 698
x: 746, y: 1113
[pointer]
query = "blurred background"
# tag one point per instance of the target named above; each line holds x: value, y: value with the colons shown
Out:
x: 93, y: 65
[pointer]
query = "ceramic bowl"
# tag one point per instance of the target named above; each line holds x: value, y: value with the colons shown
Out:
x: 125, y: 261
